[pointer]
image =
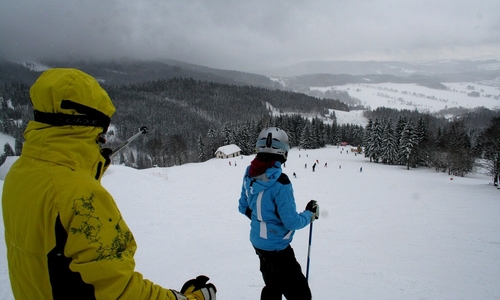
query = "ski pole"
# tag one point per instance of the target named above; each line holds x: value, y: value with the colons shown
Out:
x: 142, y: 130
x: 309, y: 250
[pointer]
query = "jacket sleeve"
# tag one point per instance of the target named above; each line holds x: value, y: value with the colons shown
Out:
x: 287, y: 210
x: 243, y: 202
x: 102, y: 247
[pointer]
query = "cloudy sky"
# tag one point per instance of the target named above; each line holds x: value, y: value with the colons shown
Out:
x: 252, y: 34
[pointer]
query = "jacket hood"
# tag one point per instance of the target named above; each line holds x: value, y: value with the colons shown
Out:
x: 69, y: 145
x: 56, y: 85
x: 259, y: 183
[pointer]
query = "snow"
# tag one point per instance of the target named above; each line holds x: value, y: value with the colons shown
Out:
x: 384, y: 233
x: 354, y: 117
x: 424, y: 99
x: 4, y: 139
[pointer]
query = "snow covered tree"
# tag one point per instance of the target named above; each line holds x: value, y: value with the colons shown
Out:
x: 460, y: 155
x: 141, y: 162
x: 407, y: 143
x: 334, y: 137
x: 131, y: 160
x: 490, y: 144
x: 3, y: 158
x: 212, y: 136
x: 389, y: 153
x: 439, y: 140
x: 201, y: 150
x: 156, y: 147
x: 367, y: 140
x: 228, y: 133
x: 7, y: 149
x: 422, y: 149
x: 306, y: 141
x: 122, y: 158
x: 376, y: 140
x: 18, y: 146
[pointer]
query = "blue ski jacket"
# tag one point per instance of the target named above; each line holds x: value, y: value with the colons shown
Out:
x: 268, y: 200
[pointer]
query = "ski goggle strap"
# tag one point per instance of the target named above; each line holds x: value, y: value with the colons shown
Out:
x: 89, y: 117
x: 275, y: 144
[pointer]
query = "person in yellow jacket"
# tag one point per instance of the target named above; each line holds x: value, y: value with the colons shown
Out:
x: 65, y: 236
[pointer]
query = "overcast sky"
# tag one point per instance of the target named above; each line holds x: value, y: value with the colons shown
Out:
x: 250, y: 35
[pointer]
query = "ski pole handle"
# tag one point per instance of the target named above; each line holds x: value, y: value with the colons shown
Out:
x: 142, y: 130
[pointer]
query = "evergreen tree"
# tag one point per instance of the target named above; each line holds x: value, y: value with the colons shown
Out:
x: 122, y: 158
x: 306, y: 141
x: 131, y: 159
x: 368, y: 140
x: 212, y: 135
x: 227, y: 132
x: 422, y: 149
x: 18, y: 146
x: 201, y: 150
x: 3, y: 158
x: 460, y: 155
x: 141, y: 162
x: 407, y: 144
x: 398, y: 131
x: 439, y: 141
x: 490, y: 145
x: 7, y: 149
x: 156, y: 147
x: 389, y: 154
x: 376, y: 140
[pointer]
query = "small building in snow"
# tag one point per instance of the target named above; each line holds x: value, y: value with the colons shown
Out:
x: 228, y: 151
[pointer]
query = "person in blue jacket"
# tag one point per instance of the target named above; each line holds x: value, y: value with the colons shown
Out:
x: 267, y: 200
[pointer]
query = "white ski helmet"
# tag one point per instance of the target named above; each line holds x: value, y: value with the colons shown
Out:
x: 273, y: 140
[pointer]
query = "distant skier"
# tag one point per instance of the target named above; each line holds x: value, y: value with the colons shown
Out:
x: 267, y: 200
x: 361, y: 169
x: 314, y: 167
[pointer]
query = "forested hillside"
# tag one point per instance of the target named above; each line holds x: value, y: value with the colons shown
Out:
x: 181, y: 113
x: 188, y: 119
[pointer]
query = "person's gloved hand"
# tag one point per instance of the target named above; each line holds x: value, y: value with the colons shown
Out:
x: 248, y: 213
x: 106, y: 152
x: 313, y: 207
x: 197, y: 289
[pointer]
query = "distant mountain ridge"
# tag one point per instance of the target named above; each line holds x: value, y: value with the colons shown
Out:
x: 300, y: 77
x: 132, y: 71
x: 487, y: 67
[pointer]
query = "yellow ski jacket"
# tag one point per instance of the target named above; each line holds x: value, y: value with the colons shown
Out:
x: 65, y: 236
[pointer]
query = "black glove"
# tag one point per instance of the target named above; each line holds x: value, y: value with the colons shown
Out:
x: 313, y: 207
x: 106, y: 152
x: 198, y: 289
x: 248, y: 213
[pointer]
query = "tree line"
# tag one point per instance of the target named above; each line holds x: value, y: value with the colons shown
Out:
x: 189, y: 119
x: 456, y: 146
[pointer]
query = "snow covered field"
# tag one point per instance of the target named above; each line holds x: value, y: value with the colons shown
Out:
x: 384, y: 233
x: 412, y: 96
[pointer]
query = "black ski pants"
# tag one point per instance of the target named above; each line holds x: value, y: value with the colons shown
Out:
x: 282, y: 275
